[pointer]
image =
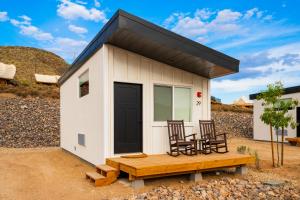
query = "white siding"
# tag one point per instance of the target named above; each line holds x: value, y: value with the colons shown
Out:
x: 262, y: 131
x: 84, y: 115
x: 125, y: 66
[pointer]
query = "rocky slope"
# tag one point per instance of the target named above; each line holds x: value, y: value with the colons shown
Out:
x: 34, y: 122
x: 236, y: 124
x: 29, y: 122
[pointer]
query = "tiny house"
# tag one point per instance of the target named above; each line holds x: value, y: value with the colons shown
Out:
x: 131, y: 78
x: 261, y: 131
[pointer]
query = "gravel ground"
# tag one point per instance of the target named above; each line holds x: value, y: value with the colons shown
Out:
x: 221, y: 189
x: 29, y: 122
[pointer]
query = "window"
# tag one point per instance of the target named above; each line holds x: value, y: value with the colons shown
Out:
x: 84, y: 84
x: 182, y: 103
x: 162, y: 103
x: 284, y: 101
x: 81, y: 139
x: 165, y: 96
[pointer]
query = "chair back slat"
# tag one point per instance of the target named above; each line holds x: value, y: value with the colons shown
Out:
x: 207, y: 129
x: 176, y: 130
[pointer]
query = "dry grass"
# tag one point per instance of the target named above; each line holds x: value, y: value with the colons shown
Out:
x: 28, y: 62
x: 230, y: 108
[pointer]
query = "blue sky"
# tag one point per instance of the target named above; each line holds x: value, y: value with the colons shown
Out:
x: 263, y: 35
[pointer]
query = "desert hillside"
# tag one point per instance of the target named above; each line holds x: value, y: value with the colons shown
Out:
x: 29, y: 61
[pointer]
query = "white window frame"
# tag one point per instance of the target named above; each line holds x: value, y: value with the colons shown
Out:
x: 173, y: 105
x: 78, y: 83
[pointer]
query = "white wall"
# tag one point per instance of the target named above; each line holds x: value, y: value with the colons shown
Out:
x: 262, y: 131
x: 125, y: 66
x: 84, y: 115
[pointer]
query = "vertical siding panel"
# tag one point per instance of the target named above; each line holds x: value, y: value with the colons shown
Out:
x: 145, y: 69
x: 147, y: 131
x: 133, y: 67
x: 156, y: 71
x: 167, y: 73
x: 204, y: 98
x: 177, y: 76
x: 187, y: 78
x: 111, y: 70
x: 120, y: 64
x: 208, y: 100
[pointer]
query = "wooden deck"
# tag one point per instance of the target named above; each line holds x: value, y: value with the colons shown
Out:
x: 165, y: 165
x: 293, y: 141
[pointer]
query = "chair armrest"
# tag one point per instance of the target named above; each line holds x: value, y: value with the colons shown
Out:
x: 221, y: 134
x: 194, y: 135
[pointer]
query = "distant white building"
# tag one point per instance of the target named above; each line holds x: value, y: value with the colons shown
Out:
x: 261, y: 130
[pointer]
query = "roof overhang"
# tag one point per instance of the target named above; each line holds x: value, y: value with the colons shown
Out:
x: 147, y: 39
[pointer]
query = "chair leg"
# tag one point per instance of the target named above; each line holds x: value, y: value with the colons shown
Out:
x: 226, y: 149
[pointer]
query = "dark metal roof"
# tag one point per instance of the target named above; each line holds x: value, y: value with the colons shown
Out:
x: 289, y: 90
x: 147, y: 39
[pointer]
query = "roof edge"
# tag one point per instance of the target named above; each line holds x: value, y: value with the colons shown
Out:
x: 177, y: 36
x: 288, y: 90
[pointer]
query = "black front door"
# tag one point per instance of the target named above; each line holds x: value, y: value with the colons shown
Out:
x: 128, y: 121
x: 298, y: 121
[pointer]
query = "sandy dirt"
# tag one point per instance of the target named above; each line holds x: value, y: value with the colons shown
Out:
x: 51, y: 173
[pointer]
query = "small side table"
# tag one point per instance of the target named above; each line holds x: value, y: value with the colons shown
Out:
x: 199, y: 142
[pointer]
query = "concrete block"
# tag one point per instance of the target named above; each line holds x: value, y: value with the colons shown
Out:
x: 137, y: 184
x: 243, y: 170
x: 196, y: 177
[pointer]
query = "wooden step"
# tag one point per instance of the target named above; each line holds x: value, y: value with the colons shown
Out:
x: 106, y: 168
x: 107, y: 171
x: 94, y: 176
x: 104, y: 175
x: 100, y: 180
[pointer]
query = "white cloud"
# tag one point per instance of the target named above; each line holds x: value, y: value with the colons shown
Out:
x: 3, y: 16
x: 227, y: 15
x: 68, y: 48
x: 204, y: 13
x: 97, y: 3
x: 190, y: 26
x: 250, y: 13
x: 277, y: 64
x: 70, y: 10
x: 246, y: 84
x: 228, y: 28
x: 204, y: 22
x: 25, y: 18
x: 81, y: 2
x: 77, y: 29
x: 70, y: 42
x: 35, y: 32
x: 26, y: 28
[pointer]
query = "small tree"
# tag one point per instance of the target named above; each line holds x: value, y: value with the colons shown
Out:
x: 276, y: 114
x: 270, y: 98
x: 283, y: 119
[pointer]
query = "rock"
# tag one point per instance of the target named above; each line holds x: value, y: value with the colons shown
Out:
x: 273, y: 183
x: 271, y: 193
